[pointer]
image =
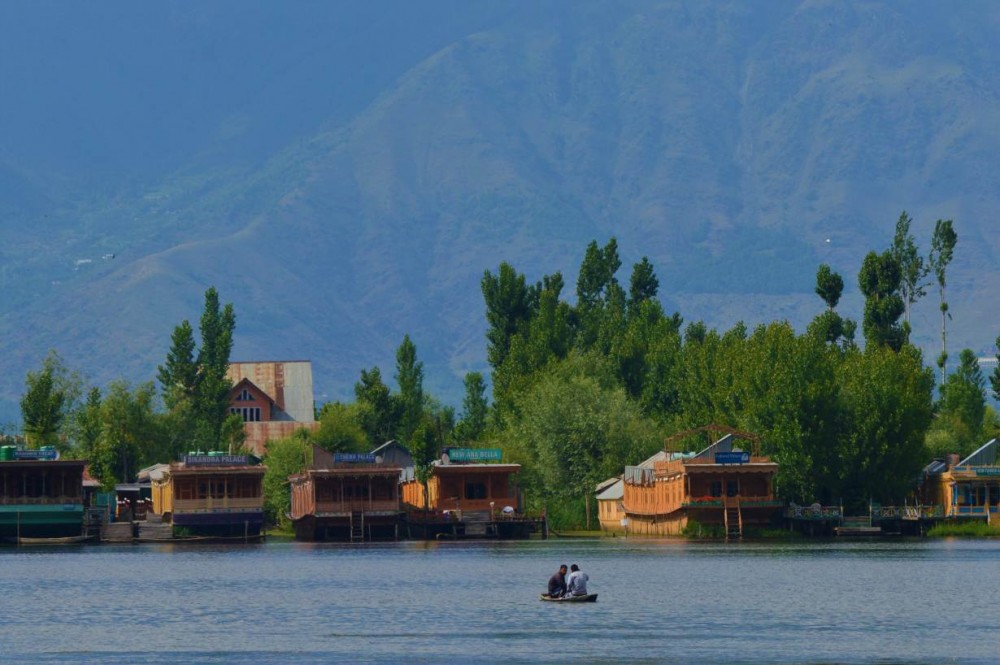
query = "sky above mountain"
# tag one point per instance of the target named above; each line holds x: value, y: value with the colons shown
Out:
x: 345, y: 172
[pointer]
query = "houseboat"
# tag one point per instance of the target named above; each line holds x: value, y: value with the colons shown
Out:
x: 346, y: 496
x: 964, y: 489
x: 469, y: 493
x: 611, y: 492
x: 722, y: 485
x: 212, y: 495
x: 41, y: 496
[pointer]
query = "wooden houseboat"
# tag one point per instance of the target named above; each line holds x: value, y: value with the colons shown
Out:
x: 40, y: 496
x: 968, y: 488
x: 721, y: 485
x: 470, y: 493
x: 346, y: 496
x: 611, y: 492
x: 212, y: 495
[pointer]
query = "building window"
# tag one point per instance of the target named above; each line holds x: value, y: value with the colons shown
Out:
x: 244, y: 396
x: 716, y: 488
x: 475, y: 490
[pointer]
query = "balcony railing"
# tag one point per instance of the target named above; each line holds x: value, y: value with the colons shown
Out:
x: 360, y: 505
x: 192, y: 505
x: 39, y: 500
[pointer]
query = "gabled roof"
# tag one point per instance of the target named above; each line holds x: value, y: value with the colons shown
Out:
x: 288, y: 382
x: 247, y: 383
x: 723, y: 445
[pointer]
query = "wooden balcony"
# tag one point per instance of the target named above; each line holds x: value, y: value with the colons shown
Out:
x: 199, y: 505
x: 359, y: 506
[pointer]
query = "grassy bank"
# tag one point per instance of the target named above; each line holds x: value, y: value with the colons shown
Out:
x: 965, y: 529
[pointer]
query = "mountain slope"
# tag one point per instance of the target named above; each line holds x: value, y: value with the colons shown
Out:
x: 727, y: 142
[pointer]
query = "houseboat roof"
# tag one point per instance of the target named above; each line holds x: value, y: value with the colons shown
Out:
x: 613, y: 491
x: 985, y: 455
x: 29, y: 463
x: 353, y: 470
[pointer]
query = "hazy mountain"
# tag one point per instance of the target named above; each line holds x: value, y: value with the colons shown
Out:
x: 344, y: 173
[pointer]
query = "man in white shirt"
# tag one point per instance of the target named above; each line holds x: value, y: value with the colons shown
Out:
x: 576, y: 583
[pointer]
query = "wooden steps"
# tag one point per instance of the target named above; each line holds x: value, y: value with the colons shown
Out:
x: 357, y: 526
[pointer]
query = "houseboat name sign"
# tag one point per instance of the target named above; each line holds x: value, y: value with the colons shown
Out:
x: 474, y: 455
x: 216, y: 460
x: 735, y: 457
x: 354, y: 458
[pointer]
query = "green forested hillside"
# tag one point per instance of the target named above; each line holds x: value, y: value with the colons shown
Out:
x: 344, y: 175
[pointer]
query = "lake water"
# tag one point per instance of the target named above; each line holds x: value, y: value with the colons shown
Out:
x: 926, y: 601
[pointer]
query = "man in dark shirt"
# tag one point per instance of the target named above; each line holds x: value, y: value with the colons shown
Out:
x: 557, y: 583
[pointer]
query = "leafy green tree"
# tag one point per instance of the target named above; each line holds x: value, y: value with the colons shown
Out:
x: 213, y: 386
x: 885, y: 399
x: 178, y: 376
x: 879, y: 280
x: 942, y: 251
x: 87, y: 424
x: 509, y: 305
x: 830, y: 326
x: 574, y: 427
x: 995, y: 375
x: 285, y: 457
x: 410, y: 378
x: 425, y: 447
x: 50, y: 397
x: 911, y: 264
x: 130, y: 431
x: 378, y: 410
x: 962, y: 407
x: 475, y: 408
x: 643, y: 284
x: 595, y: 284
x: 340, y: 429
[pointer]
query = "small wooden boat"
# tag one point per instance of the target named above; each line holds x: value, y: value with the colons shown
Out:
x: 588, y: 598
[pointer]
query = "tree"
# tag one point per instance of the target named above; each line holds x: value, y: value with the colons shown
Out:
x: 50, y: 396
x: 340, y: 429
x: 595, y: 283
x: 879, y: 280
x: 129, y: 433
x: 410, y: 378
x: 829, y: 286
x: 285, y: 457
x: 474, y: 408
x: 962, y: 407
x: 378, y: 411
x: 424, y: 448
x: 87, y: 424
x: 196, y: 387
x: 911, y: 264
x: 213, y: 385
x: 643, y: 284
x: 995, y: 375
x: 829, y: 325
x: 942, y: 251
x: 508, y: 308
x: 178, y: 376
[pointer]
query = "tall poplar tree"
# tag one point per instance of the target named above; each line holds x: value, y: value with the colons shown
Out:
x: 942, y: 251
x: 911, y: 264
x: 879, y: 280
x: 410, y: 378
x: 474, y: 408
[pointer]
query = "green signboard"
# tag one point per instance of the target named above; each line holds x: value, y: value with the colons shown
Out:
x: 988, y: 471
x: 474, y: 455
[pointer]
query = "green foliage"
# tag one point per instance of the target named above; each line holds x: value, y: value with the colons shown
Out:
x: 643, y: 285
x: 695, y: 529
x: 410, y: 378
x: 508, y: 309
x: 961, y: 411
x: 596, y: 287
x: 964, y: 529
x: 880, y: 279
x: 340, y: 429
x: 942, y: 251
x: 378, y: 411
x: 475, y: 409
x: 285, y: 457
x: 911, y: 264
x: 129, y: 435
x: 195, y: 387
x: 49, y: 399
x: 995, y: 374
x: 829, y: 286
x: 425, y: 447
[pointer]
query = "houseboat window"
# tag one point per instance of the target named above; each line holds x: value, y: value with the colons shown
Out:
x: 994, y: 495
x: 475, y: 490
x: 33, y: 485
x: 716, y: 488
x: 732, y: 487
x: 218, y: 488
x: 185, y: 491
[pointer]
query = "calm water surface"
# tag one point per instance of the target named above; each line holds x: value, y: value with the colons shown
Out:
x: 926, y: 601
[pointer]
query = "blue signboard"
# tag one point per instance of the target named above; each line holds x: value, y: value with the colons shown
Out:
x: 734, y: 457
x: 216, y: 460
x: 41, y: 454
x: 988, y: 471
x: 354, y: 458
x: 474, y: 455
